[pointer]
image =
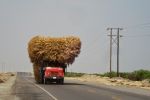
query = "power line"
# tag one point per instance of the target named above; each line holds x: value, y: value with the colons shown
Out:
x: 138, y: 35
x: 90, y: 47
x: 138, y: 25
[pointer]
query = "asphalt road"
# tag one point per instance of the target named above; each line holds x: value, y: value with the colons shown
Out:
x: 27, y: 89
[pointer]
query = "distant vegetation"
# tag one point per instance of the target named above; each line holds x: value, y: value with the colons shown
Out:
x: 73, y: 74
x: 137, y: 75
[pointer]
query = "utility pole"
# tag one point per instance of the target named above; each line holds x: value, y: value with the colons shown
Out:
x: 117, y: 43
x: 118, y: 36
x: 110, y: 60
x: 3, y: 66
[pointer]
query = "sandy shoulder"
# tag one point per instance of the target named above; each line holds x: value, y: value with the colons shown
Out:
x: 7, y: 81
x: 117, y: 81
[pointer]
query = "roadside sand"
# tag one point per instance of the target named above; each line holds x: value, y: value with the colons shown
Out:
x: 6, y: 82
x: 117, y: 81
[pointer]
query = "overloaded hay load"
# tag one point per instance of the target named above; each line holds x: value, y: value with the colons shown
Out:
x: 36, y: 72
x: 57, y: 50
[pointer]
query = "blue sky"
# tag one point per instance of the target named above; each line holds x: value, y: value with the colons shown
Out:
x: 20, y: 20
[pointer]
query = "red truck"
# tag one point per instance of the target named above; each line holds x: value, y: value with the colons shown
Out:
x: 52, y: 74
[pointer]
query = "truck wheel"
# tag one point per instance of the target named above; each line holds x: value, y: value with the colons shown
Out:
x: 58, y: 81
x: 45, y: 81
x: 42, y: 81
x: 38, y: 82
x: 62, y: 81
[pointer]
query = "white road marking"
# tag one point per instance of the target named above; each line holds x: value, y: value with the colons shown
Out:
x: 43, y: 90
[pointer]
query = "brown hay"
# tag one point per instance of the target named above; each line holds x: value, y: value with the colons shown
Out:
x: 60, y: 50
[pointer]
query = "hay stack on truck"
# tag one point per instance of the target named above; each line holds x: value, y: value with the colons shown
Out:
x: 50, y: 56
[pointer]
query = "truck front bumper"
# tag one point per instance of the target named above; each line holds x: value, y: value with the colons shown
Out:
x: 54, y: 78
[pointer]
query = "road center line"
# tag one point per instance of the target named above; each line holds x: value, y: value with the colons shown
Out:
x: 43, y: 90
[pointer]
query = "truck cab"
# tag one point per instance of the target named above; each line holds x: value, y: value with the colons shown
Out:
x: 53, y: 74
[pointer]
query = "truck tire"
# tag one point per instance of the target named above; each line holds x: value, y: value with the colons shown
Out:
x: 45, y: 81
x: 61, y: 81
x: 41, y: 81
x: 58, y: 81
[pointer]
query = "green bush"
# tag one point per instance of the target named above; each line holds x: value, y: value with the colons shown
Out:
x: 139, y: 75
x: 73, y: 74
x: 124, y: 74
x: 114, y: 74
x: 107, y: 74
x: 97, y: 74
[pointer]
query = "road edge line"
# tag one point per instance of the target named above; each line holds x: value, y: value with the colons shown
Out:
x: 43, y: 90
